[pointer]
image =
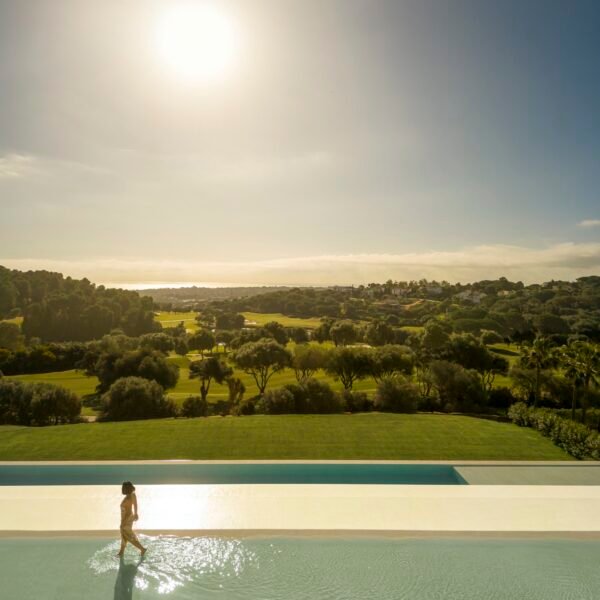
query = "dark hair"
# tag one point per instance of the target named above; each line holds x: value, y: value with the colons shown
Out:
x: 127, y: 488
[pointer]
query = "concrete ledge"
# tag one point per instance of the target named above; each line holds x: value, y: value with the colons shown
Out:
x: 273, y: 508
x: 456, y: 463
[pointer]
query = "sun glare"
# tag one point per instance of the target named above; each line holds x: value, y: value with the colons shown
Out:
x: 196, y: 41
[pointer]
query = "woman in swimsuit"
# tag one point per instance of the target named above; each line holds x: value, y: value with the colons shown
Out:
x: 129, y: 514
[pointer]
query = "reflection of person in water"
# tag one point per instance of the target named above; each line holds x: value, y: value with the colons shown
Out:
x: 129, y: 514
x: 125, y: 579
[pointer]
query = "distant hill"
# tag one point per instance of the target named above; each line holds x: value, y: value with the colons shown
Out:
x: 189, y: 296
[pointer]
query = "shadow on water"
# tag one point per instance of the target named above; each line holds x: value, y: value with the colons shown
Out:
x: 126, y: 579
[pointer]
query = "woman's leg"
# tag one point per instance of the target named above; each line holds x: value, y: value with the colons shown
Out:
x: 123, y: 544
x: 137, y: 544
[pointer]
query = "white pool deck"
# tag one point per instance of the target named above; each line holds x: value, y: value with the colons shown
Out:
x: 490, y: 506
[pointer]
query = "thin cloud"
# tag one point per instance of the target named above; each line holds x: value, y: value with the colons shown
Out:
x: 561, y: 261
x: 15, y: 166
x: 589, y: 223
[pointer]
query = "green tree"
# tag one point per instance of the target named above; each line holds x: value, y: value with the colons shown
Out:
x: 322, y: 332
x: 228, y: 320
x: 582, y: 361
x: 10, y: 336
x: 379, y: 333
x: 236, y: 390
x: 262, y: 359
x: 349, y: 365
x: 224, y: 338
x: 471, y: 353
x: 209, y: 370
x: 343, y: 333
x: 540, y: 355
x: 435, y: 336
x: 203, y: 341
x: 307, y: 360
x: 390, y: 360
x: 277, y: 332
x: 148, y: 364
x: 299, y: 335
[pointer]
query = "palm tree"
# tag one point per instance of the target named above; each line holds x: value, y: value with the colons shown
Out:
x: 569, y: 359
x: 538, y: 356
x: 583, y: 366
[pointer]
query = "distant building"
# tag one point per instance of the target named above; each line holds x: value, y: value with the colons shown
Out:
x: 471, y: 296
x: 400, y: 291
x: 433, y: 290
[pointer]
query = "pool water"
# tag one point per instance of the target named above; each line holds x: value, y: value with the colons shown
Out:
x: 177, y: 473
x: 181, y: 568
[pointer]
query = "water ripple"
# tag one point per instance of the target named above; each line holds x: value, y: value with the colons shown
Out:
x: 173, y: 561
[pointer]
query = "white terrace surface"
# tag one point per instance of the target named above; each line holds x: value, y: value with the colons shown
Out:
x: 400, y: 508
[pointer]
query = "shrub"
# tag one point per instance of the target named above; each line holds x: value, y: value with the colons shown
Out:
x: 491, y: 337
x: 37, y: 404
x: 194, y: 406
x: 592, y: 416
x: 396, y: 395
x: 355, y: 401
x: 244, y: 407
x: 574, y: 438
x: 133, y: 398
x: 309, y: 397
x: 320, y: 398
x: 501, y: 397
x: 220, y: 408
x: 458, y: 389
x: 51, y: 405
x: 518, y: 413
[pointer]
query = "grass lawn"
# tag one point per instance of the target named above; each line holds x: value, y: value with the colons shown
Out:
x: 76, y: 381
x: 186, y: 386
x: 15, y: 320
x: 172, y: 319
x: 262, y: 318
x: 362, y: 436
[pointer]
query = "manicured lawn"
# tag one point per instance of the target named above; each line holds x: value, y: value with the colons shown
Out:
x: 186, y: 386
x: 172, y: 319
x: 83, y: 385
x: 262, y: 318
x: 413, y: 328
x: 362, y: 436
x: 15, y: 320
x: 76, y: 381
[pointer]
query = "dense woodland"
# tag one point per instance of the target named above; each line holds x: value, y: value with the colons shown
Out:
x: 559, y: 309
x: 190, y: 297
x: 56, y: 308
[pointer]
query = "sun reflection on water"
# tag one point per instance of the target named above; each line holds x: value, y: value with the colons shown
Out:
x: 172, y: 561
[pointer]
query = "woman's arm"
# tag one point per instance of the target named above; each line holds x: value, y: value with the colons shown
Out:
x: 135, y: 506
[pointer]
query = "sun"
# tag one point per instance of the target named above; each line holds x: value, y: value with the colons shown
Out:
x: 196, y: 41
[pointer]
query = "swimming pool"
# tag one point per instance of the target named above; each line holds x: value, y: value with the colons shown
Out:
x: 182, y: 568
x: 177, y: 473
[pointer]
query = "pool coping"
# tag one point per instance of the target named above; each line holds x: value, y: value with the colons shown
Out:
x: 310, y: 534
x: 482, y: 463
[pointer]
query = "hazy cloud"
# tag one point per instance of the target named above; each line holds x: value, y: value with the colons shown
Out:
x: 15, y: 166
x: 589, y: 223
x: 561, y: 261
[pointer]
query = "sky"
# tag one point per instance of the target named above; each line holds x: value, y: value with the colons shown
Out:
x: 333, y: 142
